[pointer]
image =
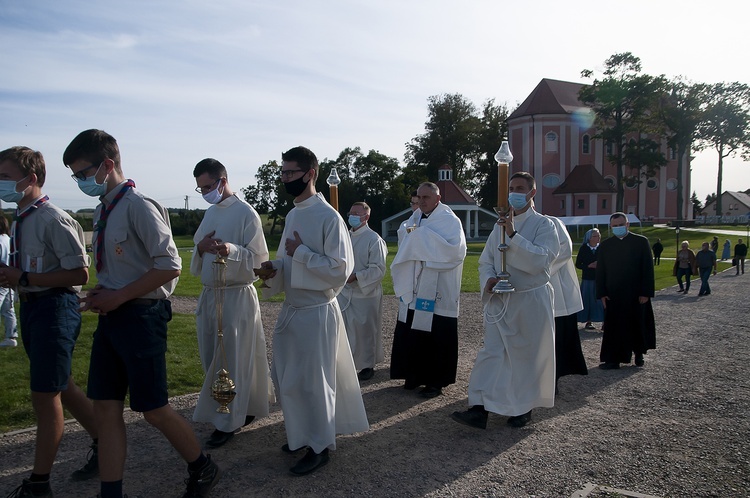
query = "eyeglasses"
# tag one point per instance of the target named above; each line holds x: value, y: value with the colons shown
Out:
x: 80, y: 175
x: 288, y: 173
x: 206, y: 188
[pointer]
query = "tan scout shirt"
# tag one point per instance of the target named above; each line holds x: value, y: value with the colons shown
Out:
x: 50, y: 241
x: 137, y: 238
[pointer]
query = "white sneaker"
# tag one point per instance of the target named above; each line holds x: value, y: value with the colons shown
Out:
x: 8, y: 343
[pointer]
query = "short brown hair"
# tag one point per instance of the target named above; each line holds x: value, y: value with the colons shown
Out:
x: 93, y: 146
x: 28, y: 161
x: 526, y: 176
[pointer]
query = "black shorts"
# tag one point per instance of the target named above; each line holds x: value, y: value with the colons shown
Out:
x: 128, y: 353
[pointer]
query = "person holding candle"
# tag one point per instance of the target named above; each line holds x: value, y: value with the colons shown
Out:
x: 514, y: 371
x: 426, y: 275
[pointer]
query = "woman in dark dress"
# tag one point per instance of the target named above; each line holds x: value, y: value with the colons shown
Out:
x: 586, y: 261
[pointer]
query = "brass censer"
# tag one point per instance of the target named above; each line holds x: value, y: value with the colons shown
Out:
x: 222, y: 388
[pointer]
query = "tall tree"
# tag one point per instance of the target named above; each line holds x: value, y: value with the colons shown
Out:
x: 372, y: 178
x: 450, y: 137
x: 726, y: 126
x: 681, y: 110
x: 622, y: 102
x: 482, y: 183
x: 697, y: 204
x: 268, y: 196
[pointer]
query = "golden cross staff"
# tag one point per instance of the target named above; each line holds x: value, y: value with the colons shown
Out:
x: 222, y: 388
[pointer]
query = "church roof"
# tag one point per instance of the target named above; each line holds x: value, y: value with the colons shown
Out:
x: 452, y: 194
x: 551, y: 97
x: 584, y: 179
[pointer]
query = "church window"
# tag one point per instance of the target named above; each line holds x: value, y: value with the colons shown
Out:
x: 586, y: 144
x: 550, y: 142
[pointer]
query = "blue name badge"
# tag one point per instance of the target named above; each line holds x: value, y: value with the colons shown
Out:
x: 424, y: 305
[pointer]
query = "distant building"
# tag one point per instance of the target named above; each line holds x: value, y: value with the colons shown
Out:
x: 551, y: 136
x: 477, y: 222
x: 735, y: 206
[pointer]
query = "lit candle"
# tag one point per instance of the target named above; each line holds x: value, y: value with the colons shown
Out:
x: 503, y: 158
x: 502, y: 186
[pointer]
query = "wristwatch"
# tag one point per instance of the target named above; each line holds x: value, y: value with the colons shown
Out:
x: 23, y: 280
x: 512, y: 234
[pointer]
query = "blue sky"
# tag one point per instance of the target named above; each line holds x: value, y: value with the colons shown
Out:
x: 177, y: 81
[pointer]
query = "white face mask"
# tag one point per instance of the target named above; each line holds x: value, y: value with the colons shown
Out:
x: 214, y: 196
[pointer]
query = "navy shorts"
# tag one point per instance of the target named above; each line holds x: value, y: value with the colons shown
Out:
x: 49, y: 329
x: 128, y: 353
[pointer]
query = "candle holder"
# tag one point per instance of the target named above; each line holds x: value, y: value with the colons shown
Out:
x: 333, y: 181
x: 503, y: 158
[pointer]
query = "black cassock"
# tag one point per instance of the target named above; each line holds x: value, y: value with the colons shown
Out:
x: 625, y: 271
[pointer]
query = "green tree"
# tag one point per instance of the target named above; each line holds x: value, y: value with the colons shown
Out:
x: 268, y: 196
x: 681, y: 110
x: 622, y: 102
x: 697, y: 204
x: 451, y: 137
x: 372, y: 178
x: 482, y: 183
x: 726, y: 126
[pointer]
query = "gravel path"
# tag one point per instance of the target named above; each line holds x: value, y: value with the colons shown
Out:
x: 677, y: 427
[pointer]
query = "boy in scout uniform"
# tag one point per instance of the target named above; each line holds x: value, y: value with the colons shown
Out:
x: 137, y: 268
x: 48, y: 265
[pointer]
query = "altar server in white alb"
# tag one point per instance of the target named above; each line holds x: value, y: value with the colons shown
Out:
x: 312, y: 369
x: 231, y: 229
x: 427, y: 280
x: 569, y: 358
x: 515, y: 370
x: 361, y: 300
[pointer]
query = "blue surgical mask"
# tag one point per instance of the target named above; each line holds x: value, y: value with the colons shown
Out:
x: 8, y: 190
x: 90, y: 187
x: 620, y: 231
x: 355, y: 221
x: 517, y: 200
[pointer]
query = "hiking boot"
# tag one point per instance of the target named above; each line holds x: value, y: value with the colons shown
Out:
x: 201, y: 481
x: 91, y: 468
x: 32, y: 489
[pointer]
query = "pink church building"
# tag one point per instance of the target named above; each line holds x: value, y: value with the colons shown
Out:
x: 551, y: 136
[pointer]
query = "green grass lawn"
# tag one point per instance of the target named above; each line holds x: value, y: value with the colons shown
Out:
x: 185, y: 372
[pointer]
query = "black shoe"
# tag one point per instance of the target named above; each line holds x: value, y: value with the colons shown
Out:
x: 410, y: 385
x: 476, y: 417
x: 431, y: 392
x: 609, y: 365
x: 219, y: 438
x: 520, y: 420
x: 639, y: 360
x: 91, y: 469
x: 201, y: 481
x: 310, y: 462
x: 28, y: 489
x: 290, y: 451
x: 366, y: 374
x: 248, y: 420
